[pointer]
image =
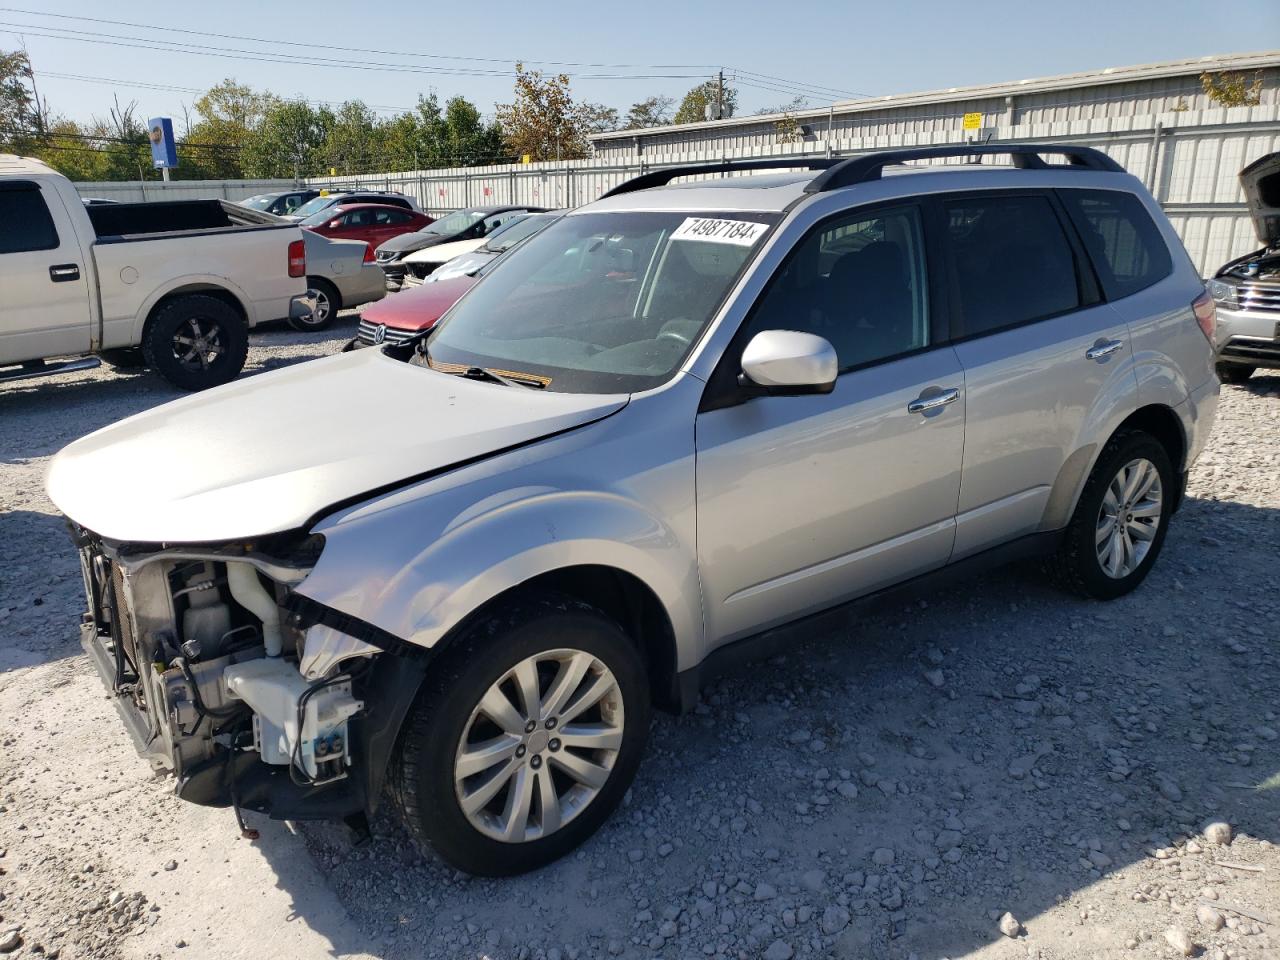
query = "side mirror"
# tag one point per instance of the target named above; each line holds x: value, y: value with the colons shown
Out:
x: 789, y: 363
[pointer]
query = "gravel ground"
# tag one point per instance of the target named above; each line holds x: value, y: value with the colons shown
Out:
x: 993, y: 771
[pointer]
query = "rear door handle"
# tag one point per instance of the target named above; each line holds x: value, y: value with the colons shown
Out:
x: 62, y: 272
x: 925, y: 404
x: 1103, y: 349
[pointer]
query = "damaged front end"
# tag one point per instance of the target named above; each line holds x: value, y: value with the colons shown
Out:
x: 250, y: 695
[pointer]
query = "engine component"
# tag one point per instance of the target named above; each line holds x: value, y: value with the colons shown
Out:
x: 207, y: 618
x: 296, y: 722
x: 242, y: 579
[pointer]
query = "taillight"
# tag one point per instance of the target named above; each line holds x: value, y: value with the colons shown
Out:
x: 298, y: 258
x: 1206, y: 314
x: 368, y: 253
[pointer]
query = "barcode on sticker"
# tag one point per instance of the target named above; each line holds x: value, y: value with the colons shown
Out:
x: 743, y: 233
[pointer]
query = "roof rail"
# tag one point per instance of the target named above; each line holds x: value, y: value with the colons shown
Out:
x: 1025, y: 155
x: 663, y: 176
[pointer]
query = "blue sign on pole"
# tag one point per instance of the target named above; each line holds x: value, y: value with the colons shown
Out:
x: 164, y: 152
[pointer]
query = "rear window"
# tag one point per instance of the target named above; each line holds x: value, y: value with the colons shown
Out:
x: 25, y: 223
x: 1013, y: 263
x: 1123, y: 241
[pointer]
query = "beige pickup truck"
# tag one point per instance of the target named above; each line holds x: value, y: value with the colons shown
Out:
x: 175, y: 286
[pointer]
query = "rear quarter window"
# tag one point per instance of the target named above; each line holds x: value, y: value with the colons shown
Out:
x: 25, y: 223
x: 1123, y: 242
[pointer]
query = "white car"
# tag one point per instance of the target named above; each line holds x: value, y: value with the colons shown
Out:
x: 423, y: 263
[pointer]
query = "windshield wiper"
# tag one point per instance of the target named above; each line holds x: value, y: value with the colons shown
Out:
x: 484, y: 373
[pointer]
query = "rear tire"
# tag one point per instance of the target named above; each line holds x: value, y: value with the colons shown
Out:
x: 1120, y: 521
x: 1234, y: 372
x: 550, y: 795
x: 328, y: 303
x: 196, y: 341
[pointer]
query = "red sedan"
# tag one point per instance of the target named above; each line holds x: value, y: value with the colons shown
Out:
x: 374, y: 223
x: 410, y: 312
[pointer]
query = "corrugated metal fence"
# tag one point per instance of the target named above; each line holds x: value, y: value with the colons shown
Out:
x: 1188, y: 159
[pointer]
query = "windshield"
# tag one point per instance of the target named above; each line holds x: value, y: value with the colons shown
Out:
x: 455, y: 222
x: 259, y: 202
x: 601, y: 302
x: 320, y: 217
x: 314, y: 205
x: 513, y: 231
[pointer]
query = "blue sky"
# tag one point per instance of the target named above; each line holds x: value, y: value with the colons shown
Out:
x: 842, y: 49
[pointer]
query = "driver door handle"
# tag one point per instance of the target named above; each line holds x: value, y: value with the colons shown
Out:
x: 925, y: 404
x: 1103, y: 349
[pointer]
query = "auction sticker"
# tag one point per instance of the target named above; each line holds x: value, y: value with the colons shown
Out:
x: 742, y: 233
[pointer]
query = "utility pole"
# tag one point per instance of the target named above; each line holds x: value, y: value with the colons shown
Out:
x: 720, y: 95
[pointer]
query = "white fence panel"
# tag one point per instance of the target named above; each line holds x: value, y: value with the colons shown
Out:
x: 141, y: 191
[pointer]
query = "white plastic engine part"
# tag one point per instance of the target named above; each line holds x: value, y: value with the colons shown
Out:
x: 273, y: 688
x: 242, y: 580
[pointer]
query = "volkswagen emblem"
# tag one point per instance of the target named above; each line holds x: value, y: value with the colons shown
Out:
x: 380, y: 333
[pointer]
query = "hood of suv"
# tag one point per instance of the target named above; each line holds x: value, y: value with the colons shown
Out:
x: 269, y: 453
x: 1261, y: 183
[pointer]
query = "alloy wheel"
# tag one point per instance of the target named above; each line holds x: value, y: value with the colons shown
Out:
x: 539, y: 746
x: 1129, y: 518
x: 197, y: 343
x: 320, y: 314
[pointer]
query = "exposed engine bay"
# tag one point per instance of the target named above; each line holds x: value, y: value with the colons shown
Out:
x: 1259, y: 265
x: 217, y: 680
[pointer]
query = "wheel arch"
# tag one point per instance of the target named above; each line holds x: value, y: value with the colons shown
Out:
x: 206, y: 288
x: 1156, y: 419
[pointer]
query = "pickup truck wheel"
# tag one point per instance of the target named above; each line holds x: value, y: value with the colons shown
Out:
x: 1234, y: 372
x: 1120, y: 523
x: 525, y: 739
x: 125, y: 358
x: 328, y: 303
x: 196, y: 341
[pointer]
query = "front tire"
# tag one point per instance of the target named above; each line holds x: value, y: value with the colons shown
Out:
x: 1234, y: 372
x: 1120, y: 522
x: 526, y: 738
x: 196, y: 342
x: 328, y: 303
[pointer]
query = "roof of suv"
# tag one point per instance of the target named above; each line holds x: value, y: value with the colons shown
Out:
x: 778, y: 191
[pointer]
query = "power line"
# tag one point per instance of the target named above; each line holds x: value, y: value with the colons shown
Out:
x: 348, y: 49
x: 818, y: 89
x: 236, y: 53
x: 150, y: 85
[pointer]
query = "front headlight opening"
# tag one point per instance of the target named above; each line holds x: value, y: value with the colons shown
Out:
x: 1224, y: 294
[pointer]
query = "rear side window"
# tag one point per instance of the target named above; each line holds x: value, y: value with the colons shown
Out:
x: 1123, y: 242
x: 25, y: 223
x: 1013, y: 262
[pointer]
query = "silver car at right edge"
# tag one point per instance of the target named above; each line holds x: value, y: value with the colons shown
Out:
x: 672, y: 421
x: 1247, y: 290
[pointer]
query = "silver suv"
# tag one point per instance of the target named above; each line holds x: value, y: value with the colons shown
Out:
x: 1247, y: 290
x: 464, y: 568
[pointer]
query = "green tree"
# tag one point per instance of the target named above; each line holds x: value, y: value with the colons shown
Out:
x: 350, y: 144
x: 19, y: 120
x: 599, y: 118
x: 652, y: 112
x: 543, y: 121
x: 1232, y: 89
x: 227, y: 116
x: 693, y: 108
x: 289, y: 142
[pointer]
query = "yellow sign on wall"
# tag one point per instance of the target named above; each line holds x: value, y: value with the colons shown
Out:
x: 973, y: 121
x: 526, y: 158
